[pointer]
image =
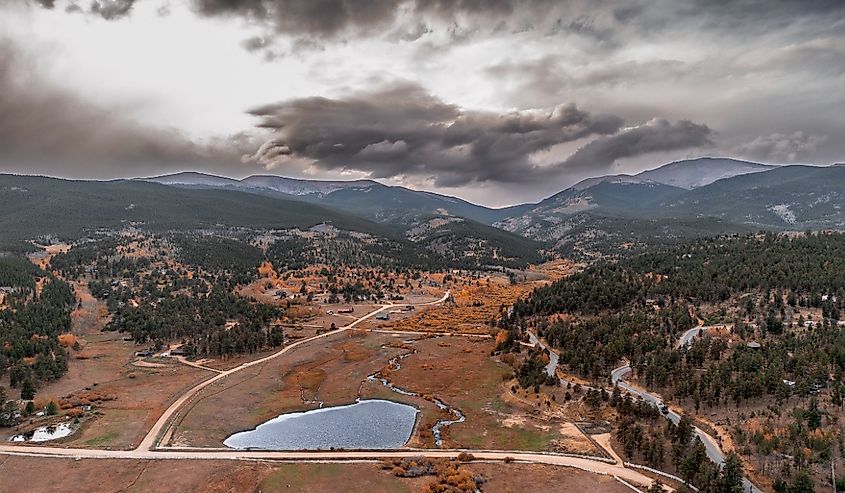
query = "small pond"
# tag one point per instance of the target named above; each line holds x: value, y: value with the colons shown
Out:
x: 45, y: 433
x: 367, y: 424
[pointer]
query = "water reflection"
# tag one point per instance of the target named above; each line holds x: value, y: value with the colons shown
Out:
x: 367, y: 424
x: 44, y: 433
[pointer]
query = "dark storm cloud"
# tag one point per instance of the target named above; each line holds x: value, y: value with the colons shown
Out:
x: 403, y: 130
x: 46, y: 130
x: 312, y: 17
x: 657, y: 135
x: 112, y: 9
x: 607, y: 24
x: 752, y: 13
x: 107, y: 9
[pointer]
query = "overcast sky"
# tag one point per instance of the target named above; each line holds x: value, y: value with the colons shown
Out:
x: 496, y: 101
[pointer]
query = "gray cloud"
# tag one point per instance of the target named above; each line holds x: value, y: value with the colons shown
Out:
x: 549, y: 75
x: 781, y: 148
x: 402, y: 130
x: 255, y: 43
x: 607, y: 24
x: 112, y: 9
x: 107, y: 9
x: 46, y: 130
x: 312, y: 17
x: 737, y: 14
x: 657, y: 135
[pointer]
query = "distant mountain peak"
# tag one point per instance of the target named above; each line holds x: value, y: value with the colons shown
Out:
x: 297, y: 186
x: 192, y: 178
x: 687, y: 174
x: 694, y: 173
x: 366, y: 198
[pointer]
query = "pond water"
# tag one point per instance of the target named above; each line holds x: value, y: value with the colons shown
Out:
x: 45, y: 433
x: 367, y: 424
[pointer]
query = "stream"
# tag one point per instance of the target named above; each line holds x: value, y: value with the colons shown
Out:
x: 395, y: 364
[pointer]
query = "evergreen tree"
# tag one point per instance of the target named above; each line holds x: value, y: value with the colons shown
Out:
x: 730, y: 478
x: 28, y: 390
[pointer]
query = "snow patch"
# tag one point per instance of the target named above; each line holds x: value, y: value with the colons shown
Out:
x: 783, y: 211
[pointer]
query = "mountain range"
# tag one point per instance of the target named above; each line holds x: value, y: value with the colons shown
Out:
x: 35, y: 207
x: 366, y: 198
x: 383, y: 203
x: 599, y: 215
x: 682, y: 200
x: 693, y: 197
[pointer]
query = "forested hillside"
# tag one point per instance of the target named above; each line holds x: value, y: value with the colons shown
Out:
x: 37, y: 206
x: 31, y: 320
x: 774, y: 302
x: 708, y: 270
x: 615, y: 215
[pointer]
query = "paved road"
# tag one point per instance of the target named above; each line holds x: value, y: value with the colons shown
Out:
x: 711, y: 445
x: 688, y: 336
x: 551, y: 368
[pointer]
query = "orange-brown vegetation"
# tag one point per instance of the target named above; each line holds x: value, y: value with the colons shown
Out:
x: 84, y: 399
x: 67, y: 340
x: 310, y: 379
x: 449, y: 476
x: 473, y: 310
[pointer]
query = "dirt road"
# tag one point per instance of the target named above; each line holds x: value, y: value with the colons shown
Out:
x: 583, y: 463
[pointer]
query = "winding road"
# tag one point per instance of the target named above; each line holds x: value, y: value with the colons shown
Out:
x: 688, y: 336
x: 551, y: 368
x: 711, y: 445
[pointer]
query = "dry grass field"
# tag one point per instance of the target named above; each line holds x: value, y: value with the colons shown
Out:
x: 330, y: 370
x: 457, y: 370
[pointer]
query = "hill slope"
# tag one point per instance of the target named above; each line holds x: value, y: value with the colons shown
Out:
x: 365, y: 198
x: 603, y: 214
x: 34, y: 206
x: 803, y: 197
